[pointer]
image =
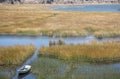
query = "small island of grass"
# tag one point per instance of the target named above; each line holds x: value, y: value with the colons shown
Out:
x: 107, y: 52
x: 15, y: 55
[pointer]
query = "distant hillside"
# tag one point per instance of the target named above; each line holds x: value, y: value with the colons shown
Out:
x: 57, y: 1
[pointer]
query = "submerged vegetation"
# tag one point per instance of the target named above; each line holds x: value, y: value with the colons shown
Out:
x: 40, y: 20
x: 48, y: 68
x: 15, y: 55
x: 107, y: 52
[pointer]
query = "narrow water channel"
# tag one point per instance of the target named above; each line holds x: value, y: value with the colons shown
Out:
x: 41, y: 40
x: 28, y: 62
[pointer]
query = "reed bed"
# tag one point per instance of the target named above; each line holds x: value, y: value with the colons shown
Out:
x: 107, y: 52
x: 15, y: 55
x: 41, y: 20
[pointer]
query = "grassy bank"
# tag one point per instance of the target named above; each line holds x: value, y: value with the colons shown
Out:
x: 40, y: 20
x: 108, y: 52
x: 15, y: 55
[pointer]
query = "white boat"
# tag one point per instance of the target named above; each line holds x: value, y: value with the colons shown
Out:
x: 24, y: 69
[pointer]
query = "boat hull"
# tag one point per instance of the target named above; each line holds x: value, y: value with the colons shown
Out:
x: 24, y: 69
x: 25, y: 72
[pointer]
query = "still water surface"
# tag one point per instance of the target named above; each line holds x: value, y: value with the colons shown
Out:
x: 110, y: 71
x: 89, y: 8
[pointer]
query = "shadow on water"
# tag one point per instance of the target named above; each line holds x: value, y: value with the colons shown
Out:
x: 27, y: 75
x: 20, y: 76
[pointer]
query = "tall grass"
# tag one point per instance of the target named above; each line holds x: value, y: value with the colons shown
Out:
x: 40, y: 20
x: 15, y: 55
x: 106, y: 52
x: 102, y: 34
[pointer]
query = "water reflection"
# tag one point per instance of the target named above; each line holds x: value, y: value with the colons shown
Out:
x: 57, y: 69
x: 40, y: 41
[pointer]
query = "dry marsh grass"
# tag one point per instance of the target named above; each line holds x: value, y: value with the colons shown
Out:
x: 15, y: 55
x: 107, y: 52
x: 40, y: 20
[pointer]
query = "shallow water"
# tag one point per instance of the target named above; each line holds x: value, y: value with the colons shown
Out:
x: 42, y: 40
x: 56, y: 69
x: 111, y: 69
x: 90, y: 8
